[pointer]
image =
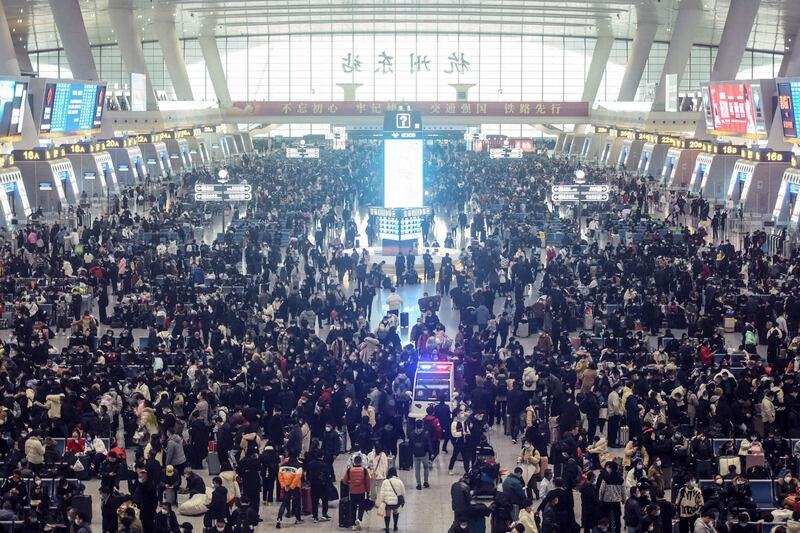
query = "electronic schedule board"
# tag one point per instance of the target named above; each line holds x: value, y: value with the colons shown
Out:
x: 71, y: 107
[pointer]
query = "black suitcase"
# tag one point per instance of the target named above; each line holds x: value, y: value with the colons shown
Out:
x: 406, y: 460
x: 345, y: 513
x: 344, y: 491
x: 83, y: 505
x: 403, y: 320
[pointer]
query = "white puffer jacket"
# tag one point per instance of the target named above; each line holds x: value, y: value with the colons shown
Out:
x: 390, y: 489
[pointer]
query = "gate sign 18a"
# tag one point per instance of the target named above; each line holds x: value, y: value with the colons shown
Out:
x: 580, y: 193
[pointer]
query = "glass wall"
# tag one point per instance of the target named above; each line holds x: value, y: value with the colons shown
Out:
x: 407, y: 66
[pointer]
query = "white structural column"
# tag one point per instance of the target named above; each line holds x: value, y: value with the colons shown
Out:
x: 208, y: 45
x: 173, y: 58
x: 9, y: 66
x: 130, y: 45
x: 646, y: 28
x: 732, y: 44
x: 680, y: 46
x: 72, y: 31
x: 23, y: 59
x: 600, y: 55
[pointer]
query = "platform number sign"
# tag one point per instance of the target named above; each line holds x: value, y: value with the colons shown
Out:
x: 403, y: 121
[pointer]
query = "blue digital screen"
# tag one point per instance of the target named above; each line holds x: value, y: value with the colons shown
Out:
x: 72, y: 107
x: 794, y: 188
x: 10, y: 187
x: 742, y: 176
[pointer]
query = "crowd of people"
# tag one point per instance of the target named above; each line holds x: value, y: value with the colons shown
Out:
x: 143, y: 353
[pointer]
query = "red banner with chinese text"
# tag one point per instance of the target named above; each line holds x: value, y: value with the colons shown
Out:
x: 455, y: 109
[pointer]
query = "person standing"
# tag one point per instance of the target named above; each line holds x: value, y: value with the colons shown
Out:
x: 611, y: 492
x: 249, y: 471
x: 421, y: 449
x: 400, y: 267
x: 319, y: 477
x: 146, y: 498
x: 290, y: 478
x: 357, y: 480
x: 392, y: 496
x: 460, y: 499
x: 689, y: 503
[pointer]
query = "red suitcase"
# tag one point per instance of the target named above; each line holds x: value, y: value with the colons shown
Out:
x: 305, y: 498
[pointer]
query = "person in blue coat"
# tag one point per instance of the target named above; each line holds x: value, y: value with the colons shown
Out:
x: 514, y: 490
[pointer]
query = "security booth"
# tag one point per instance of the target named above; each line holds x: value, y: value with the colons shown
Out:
x: 787, y: 209
x: 229, y: 145
x: 560, y: 143
x: 594, y: 143
x: 175, y: 151
x: 49, y: 178
x: 127, y: 162
x: 757, y: 180
x: 619, y: 149
x: 154, y: 152
x: 654, y: 152
x: 631, y: 152
x: 614, y: 148
x: 197, y: 153
x: 679, y: 164
x: 203, y: 146
x: 576, y: 149
x: 239, y: 142
x: 249, y: 147
x: 712, y: 170
x: 94, y: 169
x: 190, y: 149
x: 15, y: 208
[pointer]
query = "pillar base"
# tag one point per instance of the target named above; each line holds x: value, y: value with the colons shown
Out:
x: 461, y: 90
x: 349, y: 90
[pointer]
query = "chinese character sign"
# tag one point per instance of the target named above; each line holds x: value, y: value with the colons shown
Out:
x: 523, y: 110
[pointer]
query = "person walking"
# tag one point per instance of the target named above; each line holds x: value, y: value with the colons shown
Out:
x: 421, y: 449
x: 392, y: 497
x: 459, y: 432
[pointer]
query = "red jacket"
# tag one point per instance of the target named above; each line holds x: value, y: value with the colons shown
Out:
x: 357, y: 479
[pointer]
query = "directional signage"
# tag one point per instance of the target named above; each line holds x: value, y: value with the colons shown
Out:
x: 302, y: 153
x: 223, y: 192
x: 580, y: 193
x: 505, y: 153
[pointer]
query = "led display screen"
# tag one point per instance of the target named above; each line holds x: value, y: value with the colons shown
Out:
x: 402, y: 172
x: 733, y: 108
x: 72, y: 107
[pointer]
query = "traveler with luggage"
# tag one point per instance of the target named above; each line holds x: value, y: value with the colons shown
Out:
x: 357, y: 480
x: 421, y: 448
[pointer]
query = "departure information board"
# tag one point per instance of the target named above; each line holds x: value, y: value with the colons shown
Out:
x: 788, y: 105
x: 71, y: 107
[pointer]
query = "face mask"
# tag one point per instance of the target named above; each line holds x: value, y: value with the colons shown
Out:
x: 142, y: 479
x: 787, y: 479
x: 719, y: 482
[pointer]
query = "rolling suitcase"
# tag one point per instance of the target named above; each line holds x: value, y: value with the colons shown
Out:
x: 83, y: 505
x: 624, y: 436
x: 305, y: 498
x: 403, y: 320
x: 344, y: 490
x: 406, y: 460
x: 214, y: 466
x: 345, y: 513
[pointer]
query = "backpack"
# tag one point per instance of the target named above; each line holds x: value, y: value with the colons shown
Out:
x: 419, y: 445
x: 434, y: 428
x: 757, y: 472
